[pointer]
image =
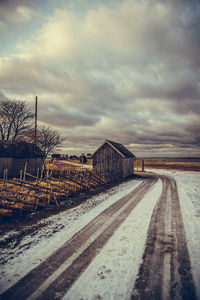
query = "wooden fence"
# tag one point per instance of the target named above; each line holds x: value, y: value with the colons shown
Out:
x: 28, y: 192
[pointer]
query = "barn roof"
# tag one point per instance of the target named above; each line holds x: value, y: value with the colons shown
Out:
x: 121, y: 149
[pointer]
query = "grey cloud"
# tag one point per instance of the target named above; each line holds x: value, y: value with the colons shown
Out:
x: 56, y: 116
x: 114, y: 90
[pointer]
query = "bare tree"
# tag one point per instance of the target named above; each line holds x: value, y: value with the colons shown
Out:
x: 48, y: 139
x: 16, y: 125
x: 15, y: 119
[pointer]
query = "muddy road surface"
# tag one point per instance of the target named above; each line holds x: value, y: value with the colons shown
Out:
x: 165, y: 272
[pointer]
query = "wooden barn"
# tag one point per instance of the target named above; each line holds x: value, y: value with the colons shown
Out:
x: 14, y: 156
x: 113, y: 159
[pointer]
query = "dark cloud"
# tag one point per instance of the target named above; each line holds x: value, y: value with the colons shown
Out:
x: 128, y: 72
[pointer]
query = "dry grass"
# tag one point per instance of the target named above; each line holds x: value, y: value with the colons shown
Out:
x: 178, y: 165
x: 60, y: 182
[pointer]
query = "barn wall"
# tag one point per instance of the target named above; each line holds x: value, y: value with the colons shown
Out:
x: 128, y: 167
x: 108, y: 160
x: 14, y: 165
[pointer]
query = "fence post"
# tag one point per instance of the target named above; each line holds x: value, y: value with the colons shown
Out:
x: 25, y: 171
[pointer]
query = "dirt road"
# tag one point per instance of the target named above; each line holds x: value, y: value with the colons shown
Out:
x: 164, y: 273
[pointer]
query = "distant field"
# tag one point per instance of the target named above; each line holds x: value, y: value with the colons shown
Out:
x: 178, y: 165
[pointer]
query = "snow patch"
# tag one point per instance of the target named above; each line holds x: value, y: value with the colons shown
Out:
x: 112, y: 274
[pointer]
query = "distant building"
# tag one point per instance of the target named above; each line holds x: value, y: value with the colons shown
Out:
x: 73, y: 157
x: 58, y: 156
x: 14, y: 156
x: 113, y: 159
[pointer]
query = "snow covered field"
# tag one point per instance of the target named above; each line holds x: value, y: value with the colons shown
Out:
x: 112, y: 273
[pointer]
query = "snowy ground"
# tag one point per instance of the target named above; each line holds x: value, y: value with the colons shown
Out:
x: 189, y: 194
x: 84, y: 166
x: 112, y: 273
x: 17, y: 261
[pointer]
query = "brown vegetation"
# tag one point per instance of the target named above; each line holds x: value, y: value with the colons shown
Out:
x: 177, y: 165
x: 56, y: 183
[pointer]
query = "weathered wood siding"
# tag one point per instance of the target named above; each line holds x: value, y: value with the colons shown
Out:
x: 128, y: 167
x: 109, y: 160
x: 14, y: 165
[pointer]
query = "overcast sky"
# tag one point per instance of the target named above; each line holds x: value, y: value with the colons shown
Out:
x: 124, y: 70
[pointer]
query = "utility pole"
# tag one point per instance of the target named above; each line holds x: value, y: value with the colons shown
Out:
x: 36, y: 115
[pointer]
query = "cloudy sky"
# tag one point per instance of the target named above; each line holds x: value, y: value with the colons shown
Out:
x: 124, y: 70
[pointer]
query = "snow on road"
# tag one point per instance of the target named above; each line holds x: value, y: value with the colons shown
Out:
x: 188, y: 184
x: 112, y: 273
x: 59, y: 228
x: 189, y: 193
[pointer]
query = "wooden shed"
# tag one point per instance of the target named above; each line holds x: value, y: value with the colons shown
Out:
x: 113, y: 159
x: 14, y: 156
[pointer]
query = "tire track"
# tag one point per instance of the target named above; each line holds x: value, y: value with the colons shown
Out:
x: 182, y: 268
x: 165, y: 272
x: 62, y: 268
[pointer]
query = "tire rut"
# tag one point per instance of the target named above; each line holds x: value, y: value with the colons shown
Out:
x: 57, y: 273
x: 165, y: 272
